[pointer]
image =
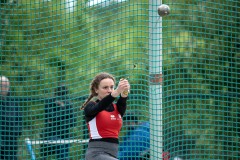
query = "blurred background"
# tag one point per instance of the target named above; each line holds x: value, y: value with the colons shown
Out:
x: 47, y: 42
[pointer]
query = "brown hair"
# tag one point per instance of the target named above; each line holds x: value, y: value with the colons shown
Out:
x: 95, y: 84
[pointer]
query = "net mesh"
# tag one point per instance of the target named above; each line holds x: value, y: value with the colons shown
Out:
x: 183, y: 69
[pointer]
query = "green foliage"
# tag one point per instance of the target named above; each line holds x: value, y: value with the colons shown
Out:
x: 45, y: 45
x: 42, y: 44
x: 200, y: 62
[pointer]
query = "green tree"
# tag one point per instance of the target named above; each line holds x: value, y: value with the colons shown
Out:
x: 201, y: 61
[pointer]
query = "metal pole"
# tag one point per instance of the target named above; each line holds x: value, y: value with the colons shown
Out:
x: 155, y: 80
x: 30, y: 149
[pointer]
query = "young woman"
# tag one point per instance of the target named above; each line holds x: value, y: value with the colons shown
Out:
x: 104, y: 117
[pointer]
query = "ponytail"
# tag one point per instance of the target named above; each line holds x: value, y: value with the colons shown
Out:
x: 86, y: 102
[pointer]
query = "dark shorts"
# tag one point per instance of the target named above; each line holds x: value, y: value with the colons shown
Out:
x: 101, y: 151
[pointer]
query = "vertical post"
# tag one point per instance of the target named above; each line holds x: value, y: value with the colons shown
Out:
x: 155, y: 80
x: 30, y: 149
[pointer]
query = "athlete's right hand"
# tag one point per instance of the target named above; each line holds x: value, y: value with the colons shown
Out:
x: 123, y: 85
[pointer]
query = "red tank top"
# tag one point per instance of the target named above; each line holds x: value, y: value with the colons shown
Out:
x: 105, y: 124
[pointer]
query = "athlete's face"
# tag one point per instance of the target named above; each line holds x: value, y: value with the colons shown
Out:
x: 105, y: 87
